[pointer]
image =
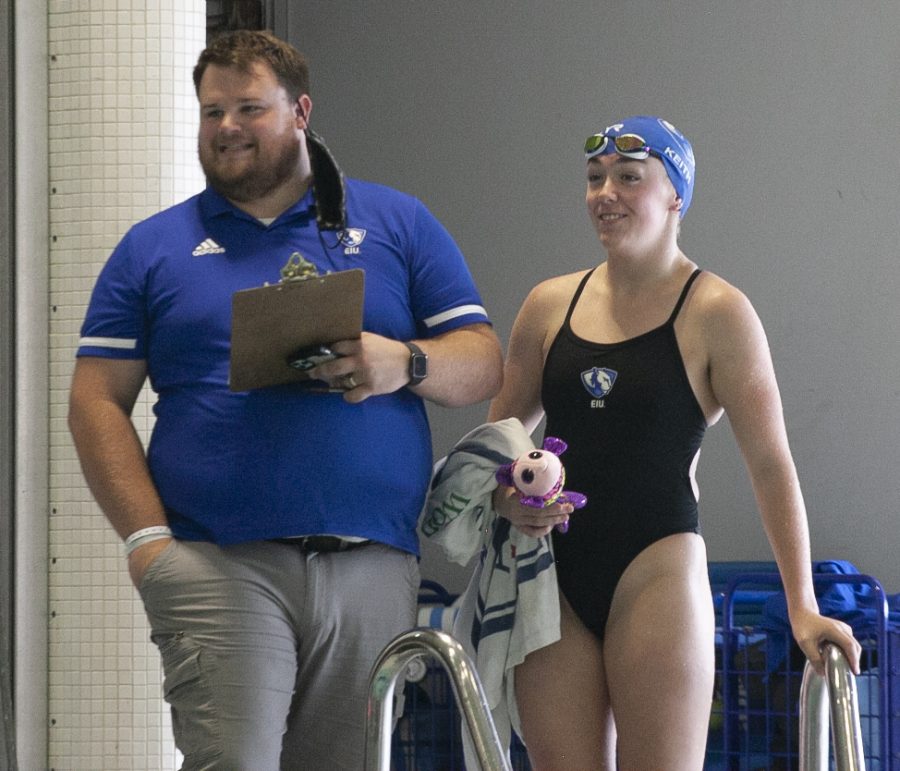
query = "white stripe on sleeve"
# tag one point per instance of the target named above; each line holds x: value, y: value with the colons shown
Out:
x: 453, y: 313
x: 109, y: 342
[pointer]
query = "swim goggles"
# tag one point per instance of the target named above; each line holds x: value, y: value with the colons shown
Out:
x: 627, y: 145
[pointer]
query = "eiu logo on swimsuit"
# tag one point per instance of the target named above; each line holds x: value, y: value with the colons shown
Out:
x: 598, y: 381
x: 351, y: 238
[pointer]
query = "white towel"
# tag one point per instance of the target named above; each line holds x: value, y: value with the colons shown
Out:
x: 511, y: 604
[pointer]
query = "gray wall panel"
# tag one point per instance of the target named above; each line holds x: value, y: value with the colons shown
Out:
x: 481, y: 109
x: 7, y: 375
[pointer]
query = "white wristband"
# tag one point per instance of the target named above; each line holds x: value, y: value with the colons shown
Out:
x: 145, y: 535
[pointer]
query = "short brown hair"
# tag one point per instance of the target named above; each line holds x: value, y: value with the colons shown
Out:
x: 242, y: 48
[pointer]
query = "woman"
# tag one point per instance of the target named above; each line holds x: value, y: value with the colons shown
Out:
x: 630, y: 362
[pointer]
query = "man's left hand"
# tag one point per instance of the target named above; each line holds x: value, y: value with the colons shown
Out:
x: 366, y: 367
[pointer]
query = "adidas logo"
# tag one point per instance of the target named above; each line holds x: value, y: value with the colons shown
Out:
x: 207, y: 247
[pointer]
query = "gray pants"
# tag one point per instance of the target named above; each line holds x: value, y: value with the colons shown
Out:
x: 267, y: 651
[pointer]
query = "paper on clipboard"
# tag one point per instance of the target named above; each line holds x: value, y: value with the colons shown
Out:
x: 271, y: 323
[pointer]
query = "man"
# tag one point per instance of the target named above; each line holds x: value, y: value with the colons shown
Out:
x: 272, y: 532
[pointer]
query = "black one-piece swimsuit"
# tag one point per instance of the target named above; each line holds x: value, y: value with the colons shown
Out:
x: 634, y: 427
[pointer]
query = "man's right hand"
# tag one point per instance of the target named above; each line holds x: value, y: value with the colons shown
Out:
x: 139, y: 560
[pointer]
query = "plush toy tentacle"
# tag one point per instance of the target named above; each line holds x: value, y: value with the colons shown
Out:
x: 555, y: 445
x: 504, y: 475
x: 578, y: 500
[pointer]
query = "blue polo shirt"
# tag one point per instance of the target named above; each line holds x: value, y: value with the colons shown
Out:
x: 277, y: 462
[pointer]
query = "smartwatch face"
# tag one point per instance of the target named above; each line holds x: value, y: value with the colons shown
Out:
x: 418, y: 366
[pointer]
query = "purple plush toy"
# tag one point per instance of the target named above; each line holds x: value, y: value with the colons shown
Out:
x: 539, y: 476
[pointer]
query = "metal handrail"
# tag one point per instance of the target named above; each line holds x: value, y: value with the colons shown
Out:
x: 837, y: 688
x: 393, y: 661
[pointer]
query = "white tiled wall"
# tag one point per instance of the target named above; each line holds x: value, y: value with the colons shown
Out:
x: 122, y: 145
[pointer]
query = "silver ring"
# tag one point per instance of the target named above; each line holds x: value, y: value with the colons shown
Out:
x: 349, y: 381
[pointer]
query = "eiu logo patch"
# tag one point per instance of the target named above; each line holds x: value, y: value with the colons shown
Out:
x: 352, y: 236
x: 598, y: 381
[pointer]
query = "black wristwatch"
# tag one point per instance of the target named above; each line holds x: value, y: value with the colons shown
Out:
x: 418, y: 364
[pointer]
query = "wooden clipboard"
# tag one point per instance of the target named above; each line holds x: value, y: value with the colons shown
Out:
x: 271, y: 323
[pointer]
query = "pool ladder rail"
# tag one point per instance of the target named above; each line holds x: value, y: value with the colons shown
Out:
x: 836, y: 689
x: 467, y: 689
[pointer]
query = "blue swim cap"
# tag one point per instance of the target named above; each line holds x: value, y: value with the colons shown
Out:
x: 668, y: 144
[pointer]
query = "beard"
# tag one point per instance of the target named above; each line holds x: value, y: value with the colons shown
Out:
x: 256, y: 179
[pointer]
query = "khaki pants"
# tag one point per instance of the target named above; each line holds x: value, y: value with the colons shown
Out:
x: 267, y: 651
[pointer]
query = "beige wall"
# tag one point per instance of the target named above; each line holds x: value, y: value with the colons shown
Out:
x: 122, y: 128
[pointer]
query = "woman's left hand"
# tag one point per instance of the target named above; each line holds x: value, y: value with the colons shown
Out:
x: 534, y: 522
x: 812, y: 631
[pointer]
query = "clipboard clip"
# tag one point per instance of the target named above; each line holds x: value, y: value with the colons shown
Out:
x: 298, y: 268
